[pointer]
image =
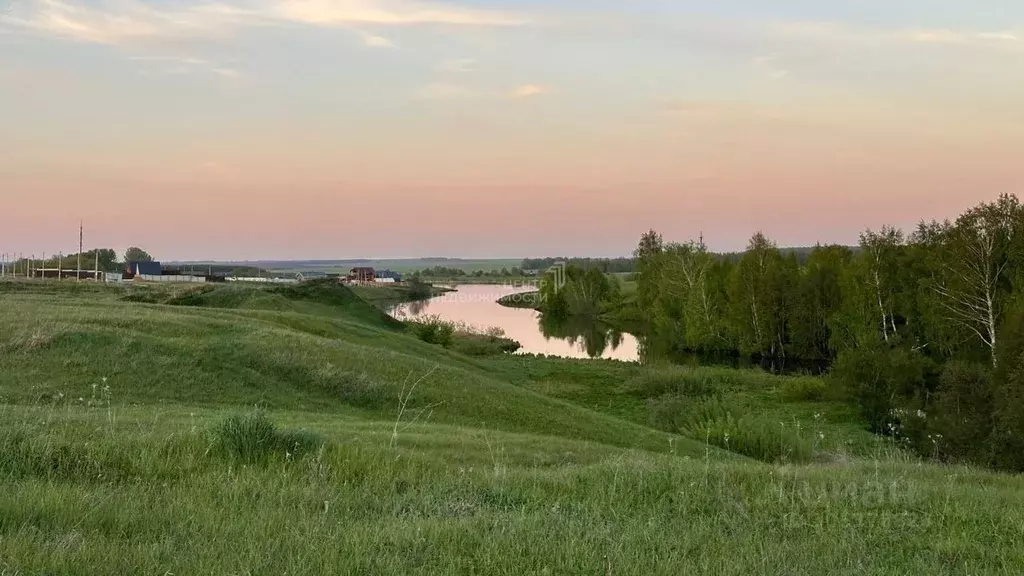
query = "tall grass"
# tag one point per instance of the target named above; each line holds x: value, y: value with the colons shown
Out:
x: 253, y: 438
x: 734, y: 428
x: 519, y: 465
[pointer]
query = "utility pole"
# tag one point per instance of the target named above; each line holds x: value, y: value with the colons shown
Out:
x: 96, y: 270
x: 81, y: 231
x: 60, y: 266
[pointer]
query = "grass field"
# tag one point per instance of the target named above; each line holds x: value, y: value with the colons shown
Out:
x: 247, y: 430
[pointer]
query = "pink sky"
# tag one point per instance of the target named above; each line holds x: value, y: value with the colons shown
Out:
x: 494, y: 132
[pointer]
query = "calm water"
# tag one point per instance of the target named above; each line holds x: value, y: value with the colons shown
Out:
x: 476, y: 305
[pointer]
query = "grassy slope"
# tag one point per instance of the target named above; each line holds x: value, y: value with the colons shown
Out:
x: 521, y: 466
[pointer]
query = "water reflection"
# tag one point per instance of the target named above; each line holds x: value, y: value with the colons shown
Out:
x: 476, y: 305
x: 588, y: 335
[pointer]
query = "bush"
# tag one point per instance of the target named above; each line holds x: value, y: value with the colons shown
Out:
x: 959, y: 420
x: 679, y: 381
x: 253, y: 438
x: 883, y: 380
x: 1007, y: 439
x: 804, y: 389
x: 433, y: 330
x: 732, y: 428
x: 354, y: 388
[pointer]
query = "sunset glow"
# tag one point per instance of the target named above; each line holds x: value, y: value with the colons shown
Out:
x: 245, y: 129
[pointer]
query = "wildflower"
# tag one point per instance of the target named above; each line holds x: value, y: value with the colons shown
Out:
x: 821, y: 435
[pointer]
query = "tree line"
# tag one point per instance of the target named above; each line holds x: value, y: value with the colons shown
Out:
x: 925, y: 328
x: 454, y: 273
x: 606, y: 265
x: 104, y: 259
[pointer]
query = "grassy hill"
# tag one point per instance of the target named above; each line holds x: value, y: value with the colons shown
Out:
x: 298, y: 430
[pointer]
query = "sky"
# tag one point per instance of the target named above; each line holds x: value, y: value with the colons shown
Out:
x: 302, y: 129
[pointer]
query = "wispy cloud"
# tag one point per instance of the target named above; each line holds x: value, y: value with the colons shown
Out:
x: 174, y: 65
x: 770, y: 68
x: 529, y: 91
x: 376, y: 41
x: 387, y: 13
x: 837, y: 32
x: 128, y: 21
x: 442, y: 91
x: 458, y: 65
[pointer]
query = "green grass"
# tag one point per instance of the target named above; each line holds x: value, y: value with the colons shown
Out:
x: 384, y: 296
x: 251, y: 434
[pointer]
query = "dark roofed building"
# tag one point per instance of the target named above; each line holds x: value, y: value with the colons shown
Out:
x: 363, y: 274
x: 144, y: 268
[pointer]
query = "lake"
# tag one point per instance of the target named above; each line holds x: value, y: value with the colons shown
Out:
x: 476, y: 305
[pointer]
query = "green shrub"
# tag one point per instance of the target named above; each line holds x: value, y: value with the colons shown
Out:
x: 882, y: 380
x: 1007, y: 439
x: 731, y: 427
x: 357, y: 389
x: 959, y: 419
x: 253, y: 438
x: 804, y: 389
x: 433, y: 330
x: 680, y: 381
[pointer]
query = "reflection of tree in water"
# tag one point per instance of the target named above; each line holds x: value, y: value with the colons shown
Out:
x: 417, y: 307
x: 589, y: 335
x: 406, y: 310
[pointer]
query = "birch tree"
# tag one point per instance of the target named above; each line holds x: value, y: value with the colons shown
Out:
x: 880, y: 251
x: 972, y: 282
x: 750, y: 295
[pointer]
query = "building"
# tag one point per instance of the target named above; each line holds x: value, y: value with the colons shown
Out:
x: 133, y: 269
x: 363, y: 274
x: 389, y: 274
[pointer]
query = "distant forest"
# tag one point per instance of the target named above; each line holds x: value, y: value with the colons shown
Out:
x: 628, y: 265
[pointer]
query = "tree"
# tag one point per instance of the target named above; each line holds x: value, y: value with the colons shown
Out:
x: 136, y: 254
x: 880, y: 251
x: 648, y: 263
x: 819, y: 298
x: 975, y: 257
x: 1007, y: 440
x: 752, y: 296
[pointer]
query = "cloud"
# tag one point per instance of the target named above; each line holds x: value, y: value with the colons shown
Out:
x: 376, y: 41
x: 174, y: 65
x: 836, y: 32
x: 121, y: 21
x: 134, y: 21
x: 458, y: 65
x: 528, y: 91
x: 387, y: 13
x: 768, y: 67
x: 442, y: 91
